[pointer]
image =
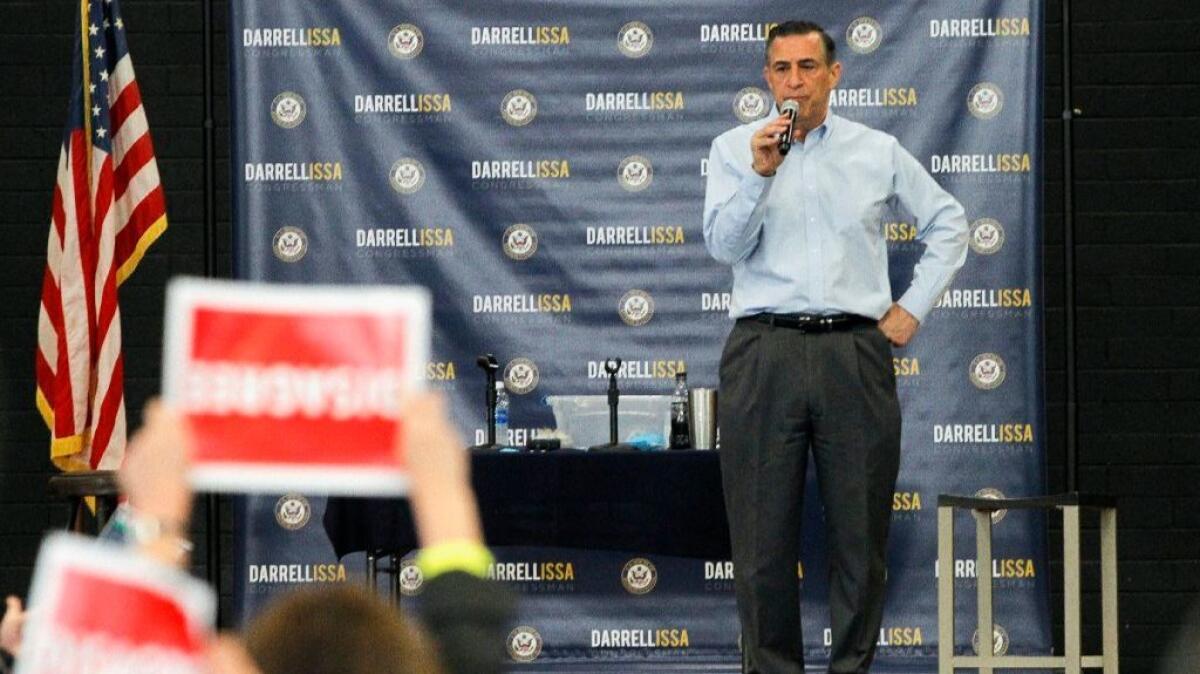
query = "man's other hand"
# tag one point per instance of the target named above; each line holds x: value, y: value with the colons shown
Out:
x: 898, y: 325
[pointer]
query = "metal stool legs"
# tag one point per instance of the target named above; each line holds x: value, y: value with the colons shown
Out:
x: 1073, y: 661
x: 1108, y: 590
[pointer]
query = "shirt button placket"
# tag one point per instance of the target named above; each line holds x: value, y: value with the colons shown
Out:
x: 816, y: 275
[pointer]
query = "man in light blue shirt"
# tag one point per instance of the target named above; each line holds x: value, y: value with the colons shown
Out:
x: 808, y: 364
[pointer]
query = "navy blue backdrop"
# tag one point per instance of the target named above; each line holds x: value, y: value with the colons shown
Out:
x: 541, y: 168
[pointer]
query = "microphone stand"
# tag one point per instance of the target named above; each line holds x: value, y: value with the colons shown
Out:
x: 489, y: 365
x: 611, y: 366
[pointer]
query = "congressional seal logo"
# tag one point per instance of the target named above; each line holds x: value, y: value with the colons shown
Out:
x: 635, y: 39
x: 521, y: 375
x: 999, y: 640
x: 639, y: 576
x: 288, y: 110
x: 636, y: 307
x: 993, y: 493
x: 524, y: 644
x: 750, y: 104
x: 407, y: 175
x: 985, y: 100
x: 987, y: 236
x: 292, y: 511
x: 520, y: 241
x: 864, y: 35
x: 635, y: 173
x: 290, y: 244
x: 519, y: 107
x: 987, y: 371
x: 406, y: 41
x: 411, y: 578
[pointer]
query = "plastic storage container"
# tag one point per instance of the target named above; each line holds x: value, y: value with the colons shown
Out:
x: 584, y: 419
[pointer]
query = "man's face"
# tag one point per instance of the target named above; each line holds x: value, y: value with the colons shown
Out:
x: 796, y: 70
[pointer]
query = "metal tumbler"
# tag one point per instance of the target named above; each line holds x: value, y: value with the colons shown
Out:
x: 703, y: 419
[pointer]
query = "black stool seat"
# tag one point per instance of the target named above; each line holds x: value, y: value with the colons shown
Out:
x: 75, y: 487
x: 92, y: 483
x: 1069, y: 499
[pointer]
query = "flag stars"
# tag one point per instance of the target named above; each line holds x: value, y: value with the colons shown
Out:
x: 100, y: 132
x: 103, y: 75
x: 92, y: 88
x: 120, y: 24
x: 106, y: 23
x: 99, y: 52
x: 95, y: 111
x: 93, y: 29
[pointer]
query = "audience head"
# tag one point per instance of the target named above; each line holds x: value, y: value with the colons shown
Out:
x: 337, y: 629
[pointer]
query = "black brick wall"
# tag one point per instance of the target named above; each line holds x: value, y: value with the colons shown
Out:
x: 1136, y: 162
x: 1136, y: 78
x: 166, y: 40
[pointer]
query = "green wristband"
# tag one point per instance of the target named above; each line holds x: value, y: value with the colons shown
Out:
x: 467, y: 556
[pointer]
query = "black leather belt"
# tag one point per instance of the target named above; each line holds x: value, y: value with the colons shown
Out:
x: 811, y: 322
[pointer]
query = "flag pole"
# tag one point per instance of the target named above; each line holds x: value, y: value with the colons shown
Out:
x: 1069, y: 113
x: 213, y: 511
x: 85, y: 87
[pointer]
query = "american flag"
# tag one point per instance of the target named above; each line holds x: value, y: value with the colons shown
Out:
x: 108, y: 208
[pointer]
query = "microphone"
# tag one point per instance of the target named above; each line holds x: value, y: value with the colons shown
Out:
x: 488, y: 363
x: 789, y: 108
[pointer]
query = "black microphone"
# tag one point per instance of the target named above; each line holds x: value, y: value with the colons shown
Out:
x: 488, y: 363
x: 789, y: 108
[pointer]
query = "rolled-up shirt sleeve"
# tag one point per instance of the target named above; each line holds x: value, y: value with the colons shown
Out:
x: 941, y: 226
x: 734, y: 205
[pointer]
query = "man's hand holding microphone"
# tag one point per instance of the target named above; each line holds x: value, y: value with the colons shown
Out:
x: 771, y: 143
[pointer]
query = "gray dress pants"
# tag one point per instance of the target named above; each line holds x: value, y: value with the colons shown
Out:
x: 782, y: 393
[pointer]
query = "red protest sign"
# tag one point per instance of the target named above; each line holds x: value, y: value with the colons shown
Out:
x: 96, y: 606
x: 293, y: 387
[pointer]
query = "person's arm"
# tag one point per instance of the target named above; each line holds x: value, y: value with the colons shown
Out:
x: 735, y: 195
x: 158, y: 508
x: 12, y: 628
x: 466, y: 614
x: 153, y: 478
x: 941, y: 226
x: 442, y: 500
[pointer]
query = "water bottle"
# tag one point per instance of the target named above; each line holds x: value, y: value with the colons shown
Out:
x: 680, y: 436
x: 501, y: 415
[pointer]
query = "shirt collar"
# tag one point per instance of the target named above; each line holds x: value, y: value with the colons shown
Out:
x: 823, y: 131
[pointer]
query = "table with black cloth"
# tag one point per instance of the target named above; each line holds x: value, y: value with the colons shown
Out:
x: 666, y: 503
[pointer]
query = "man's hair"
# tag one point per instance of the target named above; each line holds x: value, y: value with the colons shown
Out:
x: 802, y: 28
x: 339, y: 629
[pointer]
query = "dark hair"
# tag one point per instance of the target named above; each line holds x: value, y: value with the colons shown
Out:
x: 337, y: 629
x: 802, y: 28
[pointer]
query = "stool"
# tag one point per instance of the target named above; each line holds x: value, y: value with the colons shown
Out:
x: 1073, y: 661
x: 75, y: 487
